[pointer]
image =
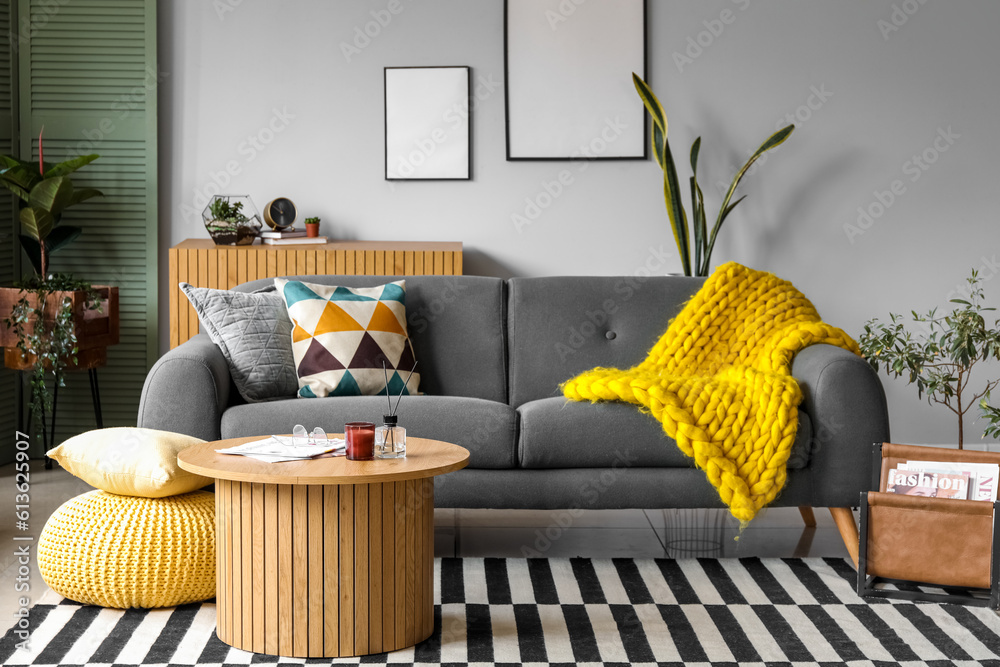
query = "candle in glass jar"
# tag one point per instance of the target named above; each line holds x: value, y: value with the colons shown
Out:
x: 360, y: 439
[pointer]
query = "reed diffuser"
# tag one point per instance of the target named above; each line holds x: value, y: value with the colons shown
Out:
x: 390, y: 437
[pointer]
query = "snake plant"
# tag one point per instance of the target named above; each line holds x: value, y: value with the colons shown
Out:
x: 699, y: 237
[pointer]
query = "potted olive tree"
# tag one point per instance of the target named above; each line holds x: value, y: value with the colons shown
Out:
x: 940, y: 357
x: 50, y: 322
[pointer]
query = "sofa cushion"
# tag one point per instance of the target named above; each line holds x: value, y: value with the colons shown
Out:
x: 255, y: 335
x: 488, y: 429
x: 457, y: 325
x: 560, y: 327
x: 560, y: 434
x: 349, y: 341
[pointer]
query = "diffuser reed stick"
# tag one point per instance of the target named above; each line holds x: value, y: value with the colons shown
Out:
x: 390, y: 421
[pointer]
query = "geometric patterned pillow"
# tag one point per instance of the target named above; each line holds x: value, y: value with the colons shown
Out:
x: 342, y: 335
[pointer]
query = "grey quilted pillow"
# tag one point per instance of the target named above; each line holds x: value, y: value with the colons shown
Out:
x: 255, y: 335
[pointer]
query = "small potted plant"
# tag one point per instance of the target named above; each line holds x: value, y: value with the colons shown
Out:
x: 232, y: 220
x: 312, y: 227
x: 940, y: 358
x: 49, y: 321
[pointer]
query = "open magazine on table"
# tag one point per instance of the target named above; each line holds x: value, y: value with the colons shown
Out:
x: 280, y: 448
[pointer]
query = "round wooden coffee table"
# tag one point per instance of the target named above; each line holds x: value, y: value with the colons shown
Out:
x: 326, y: 557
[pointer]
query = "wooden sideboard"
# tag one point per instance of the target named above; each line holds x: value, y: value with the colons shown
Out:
x: 203, y: 264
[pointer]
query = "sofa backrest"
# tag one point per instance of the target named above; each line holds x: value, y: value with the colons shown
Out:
x: 559, y: 327
x: 457, y: 325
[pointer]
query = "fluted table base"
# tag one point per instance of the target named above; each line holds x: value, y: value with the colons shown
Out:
x: 327, y: 570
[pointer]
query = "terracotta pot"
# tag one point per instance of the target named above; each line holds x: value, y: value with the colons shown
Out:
x: 94, y: 328
x: 312, y: 229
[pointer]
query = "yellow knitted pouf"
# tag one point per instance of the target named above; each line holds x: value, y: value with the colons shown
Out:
x: 122, y: 551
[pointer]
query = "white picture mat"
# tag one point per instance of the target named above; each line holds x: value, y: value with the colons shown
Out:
x: 569, y: 78
x: 427, y: 122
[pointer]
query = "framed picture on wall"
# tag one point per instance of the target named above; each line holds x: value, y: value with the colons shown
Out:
x: 427, y: 124
x: 568, y: 79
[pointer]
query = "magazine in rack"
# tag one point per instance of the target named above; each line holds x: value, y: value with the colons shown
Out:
x: 945, y: 479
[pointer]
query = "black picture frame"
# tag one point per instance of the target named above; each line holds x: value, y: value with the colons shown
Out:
x: 428, y: 123
x: 526, y: 68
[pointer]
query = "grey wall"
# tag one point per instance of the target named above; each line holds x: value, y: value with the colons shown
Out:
x: 870, y: 100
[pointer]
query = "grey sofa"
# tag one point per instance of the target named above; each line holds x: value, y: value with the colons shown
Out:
x: 492, y: 354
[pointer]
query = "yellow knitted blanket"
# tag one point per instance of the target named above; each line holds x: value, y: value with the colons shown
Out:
x: 719, y: 380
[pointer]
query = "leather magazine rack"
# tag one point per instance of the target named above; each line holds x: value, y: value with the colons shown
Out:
x: 915, y: 542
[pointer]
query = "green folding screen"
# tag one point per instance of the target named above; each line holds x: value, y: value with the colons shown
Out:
x: 87, y: 73
x: 8, y: 241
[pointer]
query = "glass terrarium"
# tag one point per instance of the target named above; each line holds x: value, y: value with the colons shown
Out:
x: 232, y: 220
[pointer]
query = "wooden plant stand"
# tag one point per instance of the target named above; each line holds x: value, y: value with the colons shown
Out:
x: 96, y: 330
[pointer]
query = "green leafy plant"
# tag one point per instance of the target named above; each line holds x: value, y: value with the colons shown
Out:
x: 940, y: 358
x: 312, y: 221
x: 698, y: 236
x: 224, y: 211
x: 45, y: 194
x: 991, y: 415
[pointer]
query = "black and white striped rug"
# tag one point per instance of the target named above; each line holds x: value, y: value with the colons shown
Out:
x: 550, y: 611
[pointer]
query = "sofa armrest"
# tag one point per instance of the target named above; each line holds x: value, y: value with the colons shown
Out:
x: 845, y: 399
x: 187, y: 390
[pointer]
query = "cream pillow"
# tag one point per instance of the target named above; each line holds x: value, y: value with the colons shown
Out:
x: 130, y: 461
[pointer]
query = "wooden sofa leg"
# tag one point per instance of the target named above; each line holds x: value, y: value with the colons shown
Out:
x: 844, y: 518
x: 805, y: 542
x: 807, y: 516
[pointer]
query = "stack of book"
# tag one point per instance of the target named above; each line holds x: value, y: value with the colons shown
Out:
x: 288, y: 237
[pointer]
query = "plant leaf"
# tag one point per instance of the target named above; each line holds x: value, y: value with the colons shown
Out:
x: 69, y: 166
x: 83, y: 194
x: 36, y: 222
x: 675, y: 210
x: 20, y: 175
x: 33, y: 252
x: 52, y: 195
x: 659, y: 140
x: 729, y: 209
x: 61, y: 236
x: 773, y: 141
x: 702, y: 230
x: 16, y: 190
x: 7, y: 161
x: 718, y: 225
x: 698, y: 213
x: 651, y: 103
x: 671, y: 186
x: 659, y: 117
x: 698, y: 240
